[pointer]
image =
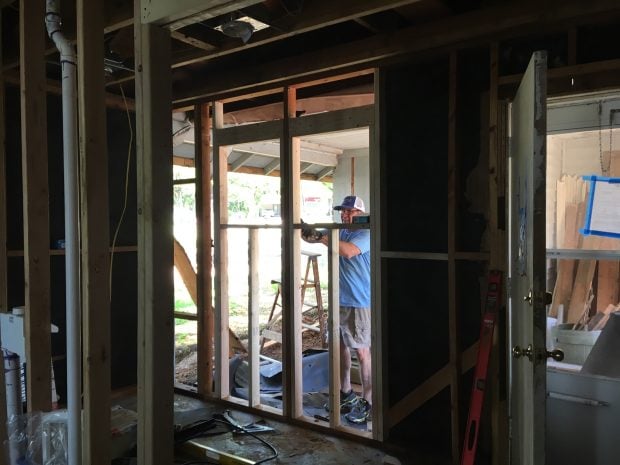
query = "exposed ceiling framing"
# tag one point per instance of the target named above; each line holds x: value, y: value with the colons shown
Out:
x: 299, y: 41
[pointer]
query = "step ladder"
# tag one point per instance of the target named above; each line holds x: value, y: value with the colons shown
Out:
x: 309, y: 281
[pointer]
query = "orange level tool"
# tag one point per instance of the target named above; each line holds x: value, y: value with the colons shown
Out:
x: 480, y: 376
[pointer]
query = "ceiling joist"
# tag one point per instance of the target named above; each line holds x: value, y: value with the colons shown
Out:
x: 323, y: 14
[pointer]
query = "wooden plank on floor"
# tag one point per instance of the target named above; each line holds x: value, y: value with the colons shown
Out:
x: 185, y: 269
x: 206, y: 319
x: 36, y: 204
x: 155, y: 244
x: 95, y: 234
x: 566, y: 267
x: 608, y: 281
x: 184, y: 266
x: 583, y: 282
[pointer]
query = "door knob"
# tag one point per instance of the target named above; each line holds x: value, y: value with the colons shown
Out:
x: 528, y: 352
x: 557, y: 355
x: 528, y: 297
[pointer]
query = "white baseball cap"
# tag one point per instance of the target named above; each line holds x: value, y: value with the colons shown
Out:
x: 352, y: 202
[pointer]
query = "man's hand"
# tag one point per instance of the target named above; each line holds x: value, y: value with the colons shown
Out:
x: 311, y: 235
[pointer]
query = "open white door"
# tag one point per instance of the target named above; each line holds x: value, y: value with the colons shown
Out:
x: 527, y: 295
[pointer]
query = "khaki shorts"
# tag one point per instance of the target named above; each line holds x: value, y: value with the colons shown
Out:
x: 355, y: 327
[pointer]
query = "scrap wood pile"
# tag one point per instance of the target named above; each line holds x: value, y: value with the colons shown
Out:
x: 586, y: 291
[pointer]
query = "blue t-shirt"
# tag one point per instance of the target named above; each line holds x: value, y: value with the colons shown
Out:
x: 355, y: 271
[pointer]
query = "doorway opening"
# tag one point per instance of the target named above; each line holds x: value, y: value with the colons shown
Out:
x: 583, y: 271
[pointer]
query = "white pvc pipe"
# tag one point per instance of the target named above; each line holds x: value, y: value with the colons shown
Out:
x: 68, y: 62
x: 13, y: 389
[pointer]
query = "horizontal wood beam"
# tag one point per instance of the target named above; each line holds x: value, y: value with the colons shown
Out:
x: 54, y: 87
x: 186, y: 39
x: 322, y: 176
x: 266, y: 149
x: 567, y: 71
x: 183, y: 161
x: 456, y: 31
x: 236, y: 135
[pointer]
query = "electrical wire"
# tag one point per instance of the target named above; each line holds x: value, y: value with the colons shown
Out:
x: 120, y: 220
x: 243, y: 430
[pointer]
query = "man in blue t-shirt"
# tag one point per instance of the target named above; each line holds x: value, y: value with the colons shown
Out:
x: 354, y: 251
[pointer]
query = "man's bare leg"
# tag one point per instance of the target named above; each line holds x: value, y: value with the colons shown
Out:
x: 345, y: 367
x: 363, y: 356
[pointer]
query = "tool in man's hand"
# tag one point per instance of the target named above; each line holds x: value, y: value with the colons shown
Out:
x: 311, y: 235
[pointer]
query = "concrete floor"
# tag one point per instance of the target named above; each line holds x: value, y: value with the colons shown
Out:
x: 294, y: 444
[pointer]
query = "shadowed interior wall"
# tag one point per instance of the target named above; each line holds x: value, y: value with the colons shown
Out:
x: 124, y: 294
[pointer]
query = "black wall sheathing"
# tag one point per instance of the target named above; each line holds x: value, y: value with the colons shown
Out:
x: 124, y: 291
x: 418, y: 341
x: 470, y: 291
x: 118, y: 145
x: 124, y: 321
x: 515, y: 54
x: 428, y: 428
x: 472, y: 151
x: 14, y: 208
x: 415, y: 187
x: 415, y: 219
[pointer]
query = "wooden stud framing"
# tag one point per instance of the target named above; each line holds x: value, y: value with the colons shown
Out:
x: 290, y: 154
x: 4, y: 307
x: 453, y: 319
x: 155, y: 249
x: 497, y: 246
x: 253, y: 313
x: 379, y: 314
x: 220, y: 214
x: 333, y: 325
x: 36, y: 204
x: 205, y: 251
x: 95, y: 235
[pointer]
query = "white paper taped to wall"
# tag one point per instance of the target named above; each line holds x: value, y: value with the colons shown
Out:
x: 603, y: 212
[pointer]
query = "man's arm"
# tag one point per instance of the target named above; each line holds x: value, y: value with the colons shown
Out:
x: 345, y: 249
